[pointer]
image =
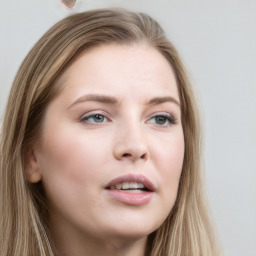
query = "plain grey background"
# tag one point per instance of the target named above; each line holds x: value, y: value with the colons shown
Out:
x: 217, y: 41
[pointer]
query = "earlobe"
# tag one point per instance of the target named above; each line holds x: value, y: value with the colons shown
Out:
x: 33, y: 173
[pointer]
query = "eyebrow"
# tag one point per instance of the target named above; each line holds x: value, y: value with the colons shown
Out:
x: 114, y: 101
x: 160, y: 100
x: 96, y: 97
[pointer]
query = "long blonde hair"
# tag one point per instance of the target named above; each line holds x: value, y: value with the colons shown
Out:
x: 187, y: 231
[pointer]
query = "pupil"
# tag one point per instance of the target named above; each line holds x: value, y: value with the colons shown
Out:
x: 98, y: 118
x: 161, y: 119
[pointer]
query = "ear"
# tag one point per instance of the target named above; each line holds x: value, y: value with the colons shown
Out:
x: 33, y: 173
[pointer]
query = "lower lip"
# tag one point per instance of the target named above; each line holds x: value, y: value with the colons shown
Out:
x: 131, y: 198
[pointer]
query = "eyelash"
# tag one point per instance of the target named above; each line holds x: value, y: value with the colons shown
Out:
x: 86, y: 118
x: 166, y: 117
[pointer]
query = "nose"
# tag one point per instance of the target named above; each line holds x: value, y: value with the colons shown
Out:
x: 130, y: 144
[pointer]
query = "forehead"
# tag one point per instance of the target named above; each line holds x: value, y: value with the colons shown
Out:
x: 120, y: 69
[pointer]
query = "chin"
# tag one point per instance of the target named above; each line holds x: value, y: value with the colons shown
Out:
x: 133, y: 230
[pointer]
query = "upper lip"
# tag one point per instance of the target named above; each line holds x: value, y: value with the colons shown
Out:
x: 133, y: 178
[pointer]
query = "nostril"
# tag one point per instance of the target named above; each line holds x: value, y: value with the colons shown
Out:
x: 127, y: 155
x: 144, y: 156
x: 130, y: 151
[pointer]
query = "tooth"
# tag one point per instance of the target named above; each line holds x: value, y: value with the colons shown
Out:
x: 128, y: 185
x: 133, y: 185
x: 118, y: 186
x: 125, y: 185
x: 140, y: 185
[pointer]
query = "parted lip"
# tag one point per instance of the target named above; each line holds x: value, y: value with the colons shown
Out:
x: 133, y: 178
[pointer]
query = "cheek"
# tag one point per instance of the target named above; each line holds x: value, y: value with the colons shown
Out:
x: 170, y: 162
x: 68, y: 160
x: 70, y: 167
x: 170, y: 157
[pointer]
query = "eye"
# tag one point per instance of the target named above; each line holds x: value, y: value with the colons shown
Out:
x: 95, y: 119
x: 162, y: 120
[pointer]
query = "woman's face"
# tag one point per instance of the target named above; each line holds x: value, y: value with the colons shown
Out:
x: 111, y: 148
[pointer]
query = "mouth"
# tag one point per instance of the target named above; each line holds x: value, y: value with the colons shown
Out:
x: 129, y: 186
x: 131, y: 183
x: 131, y: 189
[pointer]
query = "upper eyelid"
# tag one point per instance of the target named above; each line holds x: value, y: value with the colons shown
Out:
x: 162, y: 113
x: 86, y: 119
x: 166, y: 114
x: 108, y: 116
x: 93, y: 113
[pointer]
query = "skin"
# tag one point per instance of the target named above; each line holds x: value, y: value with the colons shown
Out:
x: 79, y: 153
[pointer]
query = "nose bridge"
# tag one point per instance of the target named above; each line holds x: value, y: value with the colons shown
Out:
x: 131, y: 142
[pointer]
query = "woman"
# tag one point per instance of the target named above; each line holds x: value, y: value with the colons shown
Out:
x: 100, y: 145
